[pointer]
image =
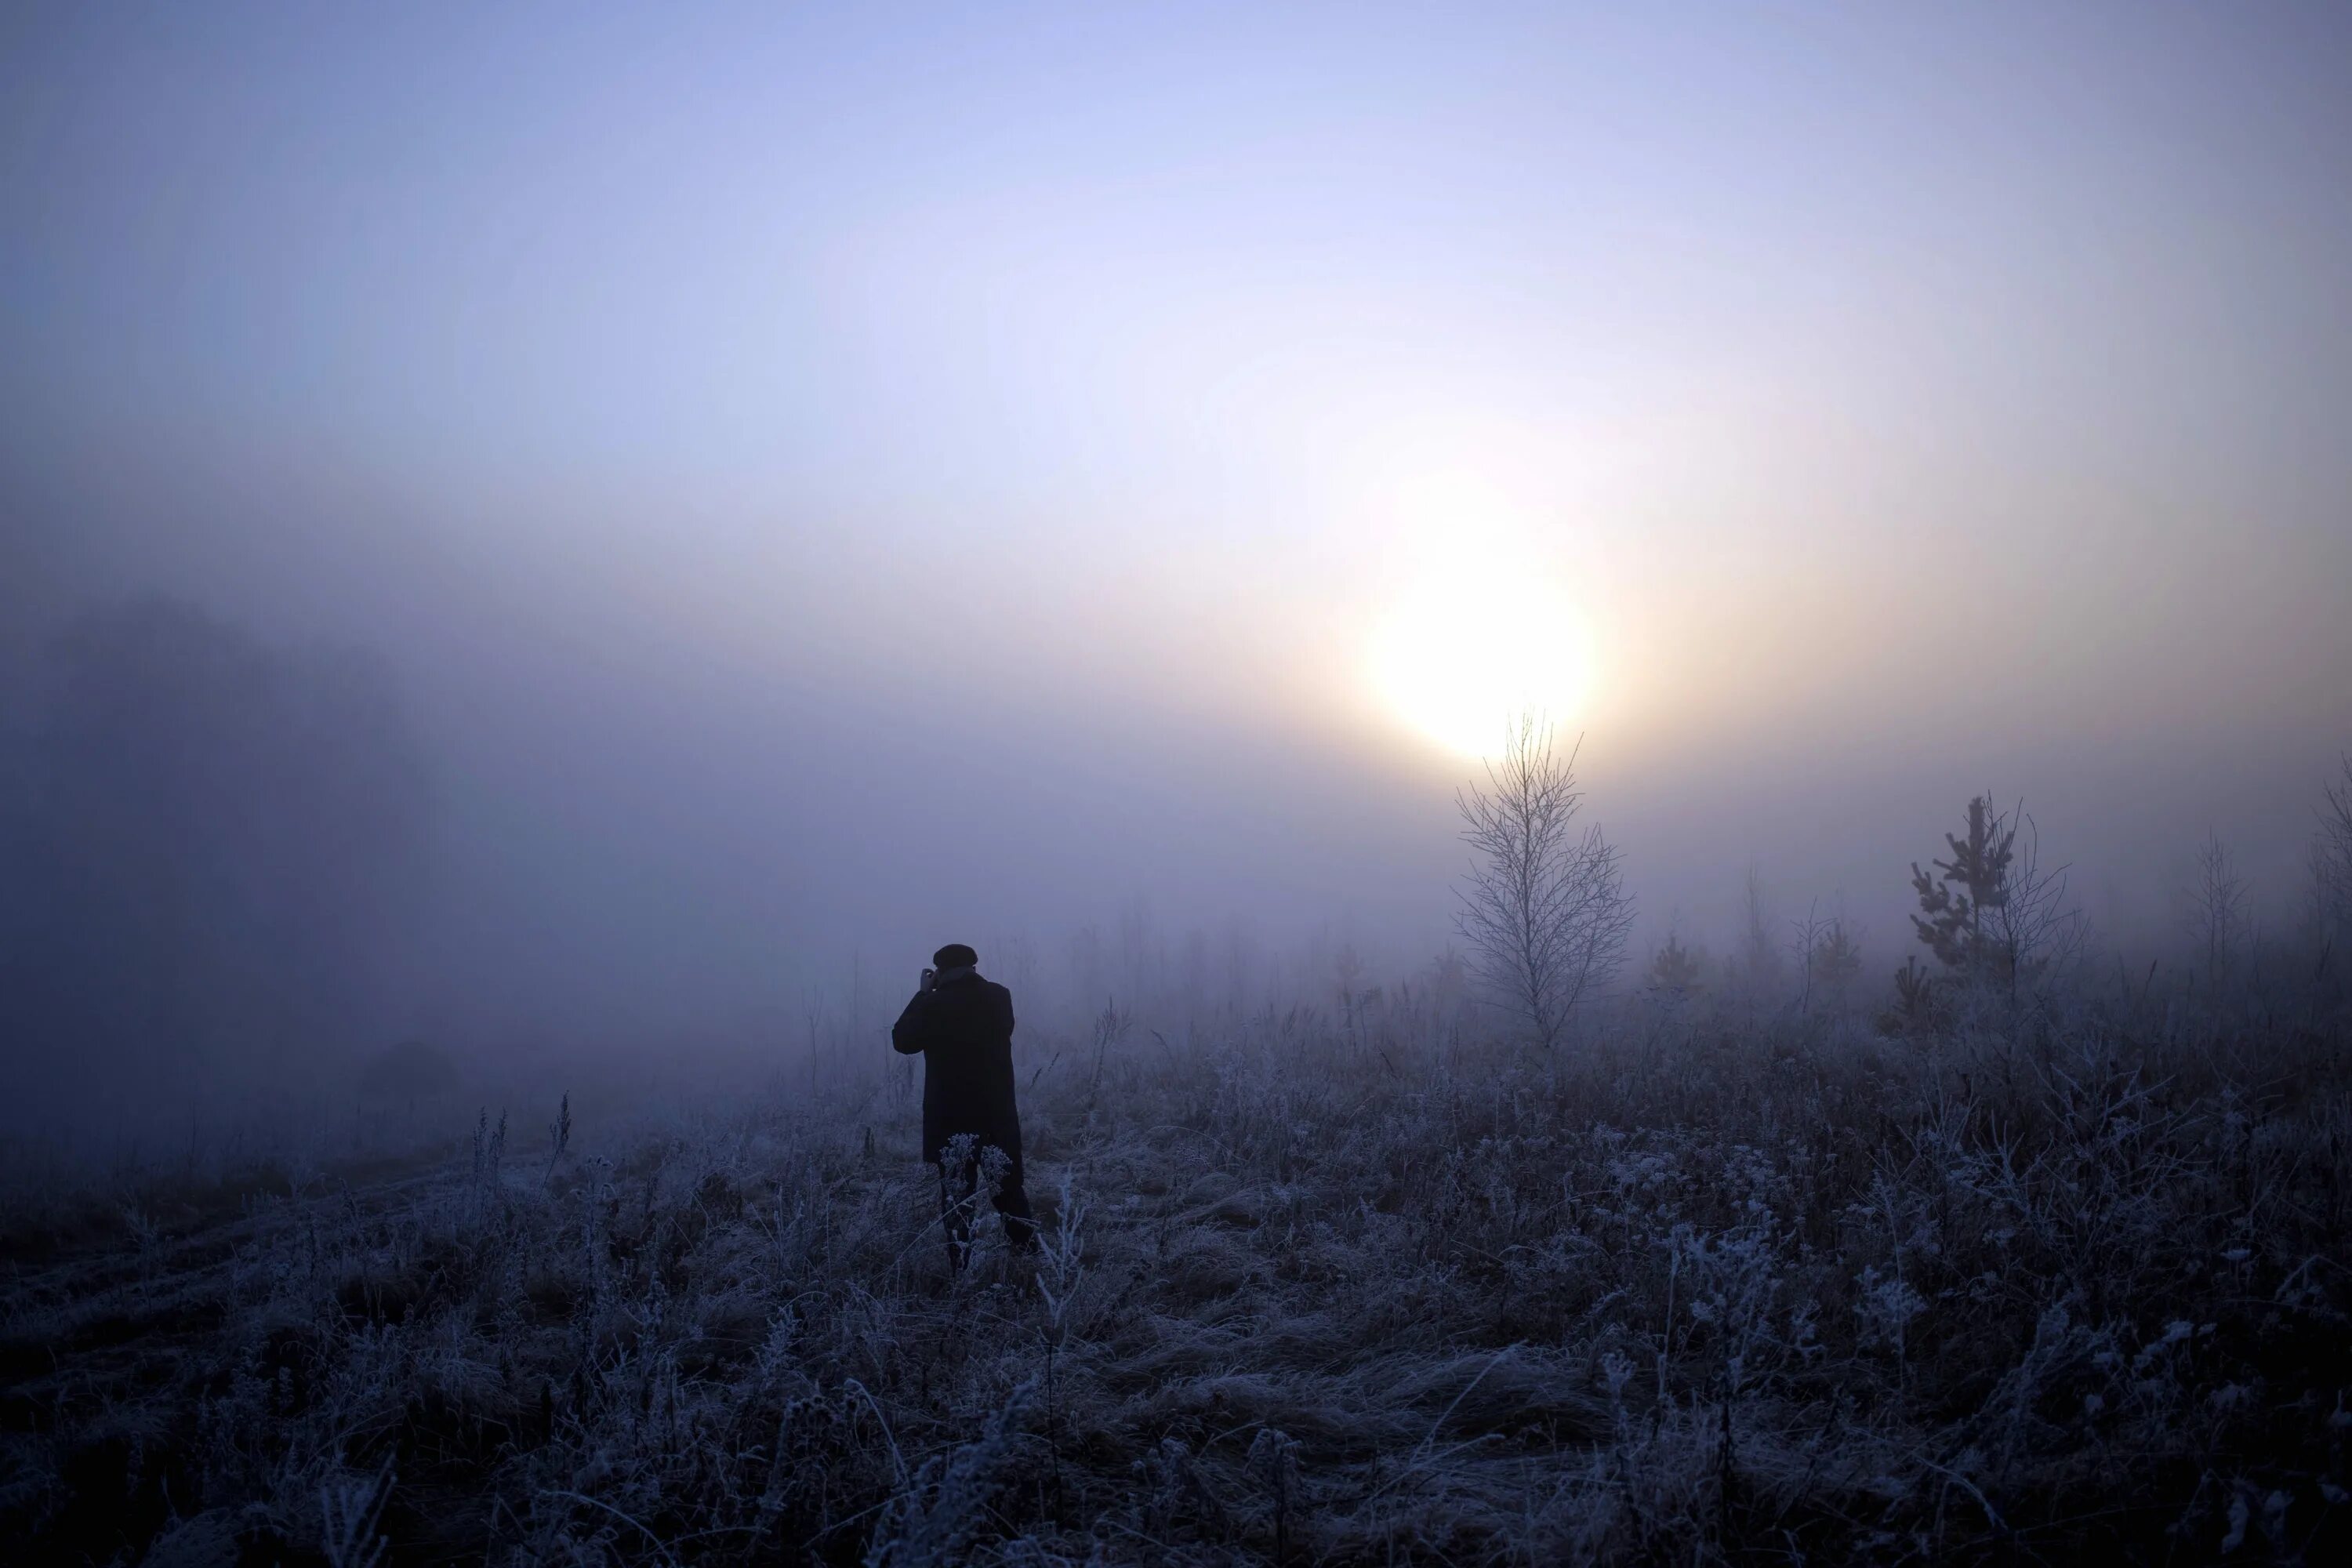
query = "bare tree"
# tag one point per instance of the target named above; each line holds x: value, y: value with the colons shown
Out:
x: 1544, y: 909
x: 2035, y: 933
x: 1759, y: 956
x: 2217, y: 908
x: 1828, y: 955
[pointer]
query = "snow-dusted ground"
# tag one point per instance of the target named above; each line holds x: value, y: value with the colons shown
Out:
x: 1701, y: 1288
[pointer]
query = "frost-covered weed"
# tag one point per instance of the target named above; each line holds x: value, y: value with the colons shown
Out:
x: 2048, y: 1286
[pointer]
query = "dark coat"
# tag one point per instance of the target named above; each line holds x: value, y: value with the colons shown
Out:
x: 963, y: 1029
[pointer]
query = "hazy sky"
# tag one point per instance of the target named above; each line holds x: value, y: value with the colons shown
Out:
x: 831, y: 475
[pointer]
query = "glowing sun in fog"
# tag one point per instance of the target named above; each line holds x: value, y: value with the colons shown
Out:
x: 1456, y: 661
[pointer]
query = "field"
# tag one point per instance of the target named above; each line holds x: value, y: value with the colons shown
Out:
x: 2048, y: 1283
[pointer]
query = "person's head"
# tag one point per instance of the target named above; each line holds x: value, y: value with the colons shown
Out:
x: 955, y: 955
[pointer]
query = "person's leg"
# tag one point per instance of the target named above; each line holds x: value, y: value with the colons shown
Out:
x: 956, y: 1209
x: 1012, y: 1207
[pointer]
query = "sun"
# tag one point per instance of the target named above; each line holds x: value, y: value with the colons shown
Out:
x: 1457, y: 661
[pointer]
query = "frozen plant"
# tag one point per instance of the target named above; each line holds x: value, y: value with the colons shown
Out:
x: 351, y: 1509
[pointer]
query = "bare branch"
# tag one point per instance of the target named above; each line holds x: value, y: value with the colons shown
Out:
x: 1544, y: 908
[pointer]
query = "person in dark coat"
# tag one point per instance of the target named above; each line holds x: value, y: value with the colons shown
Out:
x: 963, y: 1026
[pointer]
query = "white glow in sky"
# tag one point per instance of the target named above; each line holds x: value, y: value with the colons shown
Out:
x: 1175, y: 438
x: 1457, y: 659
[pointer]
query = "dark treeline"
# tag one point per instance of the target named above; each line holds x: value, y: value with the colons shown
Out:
x: 236, y: 882
x: 211, y: 845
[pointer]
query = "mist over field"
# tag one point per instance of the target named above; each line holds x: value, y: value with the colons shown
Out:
x: 549, y: 560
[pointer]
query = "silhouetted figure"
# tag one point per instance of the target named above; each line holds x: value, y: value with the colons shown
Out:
x: 962, y: 1026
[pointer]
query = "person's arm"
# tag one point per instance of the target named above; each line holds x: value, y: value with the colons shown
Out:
x: 1005, y: 1010
x: 912, y: 1032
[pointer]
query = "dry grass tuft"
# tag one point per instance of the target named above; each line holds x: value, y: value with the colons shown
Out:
x: 2039, y: 1287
